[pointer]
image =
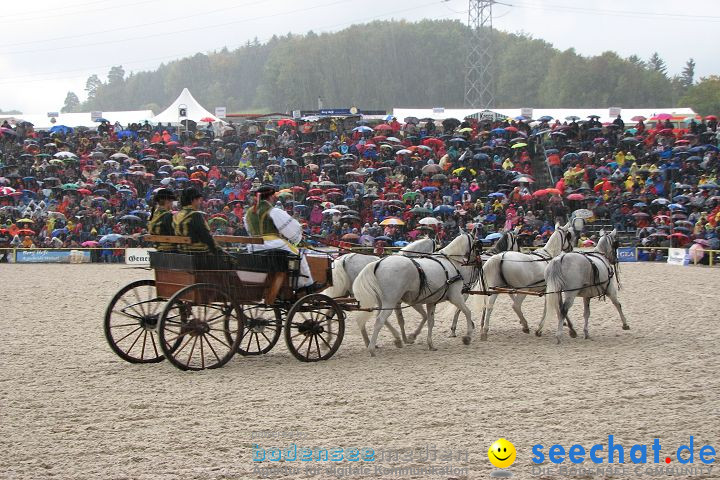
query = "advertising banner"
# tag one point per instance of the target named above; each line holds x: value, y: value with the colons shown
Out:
x: 678, y: 256
x: 626, y: 254
x: 138, y: 256
x: 52, y: 256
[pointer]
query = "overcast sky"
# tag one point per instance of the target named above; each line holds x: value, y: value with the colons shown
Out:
x: 52, y: 47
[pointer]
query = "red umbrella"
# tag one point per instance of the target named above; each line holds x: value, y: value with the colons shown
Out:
x: 383, y: 127
x: 298, y: 188
x: 511, y: 129
x: 379, y: 138
x: 287, y: 121
x: 666, y: 132
x: 663, y: 116
x: 540, y: 193
x: 711, y: 117
x: 207, y: 119
x: 553, y: 191
x: 25, y: 231
x: 638, y: 118
x: 83, y: 191
x: 576, y: 196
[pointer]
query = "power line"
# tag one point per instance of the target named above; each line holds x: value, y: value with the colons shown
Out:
x: 618, y: 13
x: 35, y: 18
x: 19, y: 79
x: 194, y: 29
x: 131, y: 27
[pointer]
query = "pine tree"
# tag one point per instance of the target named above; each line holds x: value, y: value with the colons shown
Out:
x: 72, y: 103
x: 91, y: 86
x: 687, y: 77
x: 658, y: 64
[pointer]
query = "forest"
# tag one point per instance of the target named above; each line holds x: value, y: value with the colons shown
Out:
x: 388, y: 64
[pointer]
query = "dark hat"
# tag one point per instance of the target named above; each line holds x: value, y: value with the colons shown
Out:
x: 165, y: 194
x: 265, y: 190
x: 188, y: 195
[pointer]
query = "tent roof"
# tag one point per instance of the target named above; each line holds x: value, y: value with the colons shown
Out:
x: 195, y: 111
x: 559, y: 113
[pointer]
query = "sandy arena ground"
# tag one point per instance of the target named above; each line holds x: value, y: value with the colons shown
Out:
x: 71, y: 409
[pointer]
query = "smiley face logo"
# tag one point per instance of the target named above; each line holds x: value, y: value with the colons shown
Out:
x: 502, y: 453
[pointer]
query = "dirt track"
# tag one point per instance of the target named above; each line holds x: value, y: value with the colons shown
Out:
x: 70, y: 409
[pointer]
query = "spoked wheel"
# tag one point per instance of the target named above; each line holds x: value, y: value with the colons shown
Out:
x: 201, y: 327
x: 131, y: 321
x: 261, y: 326
x: 314, y: 328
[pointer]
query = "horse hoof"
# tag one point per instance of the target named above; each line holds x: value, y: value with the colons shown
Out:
x: 558, y: 340
x: 538, y: 333
x: 432, y: 349
x: 626, y: 327
x: 483, y: 336
x: 573, y: 334
x: 466, y: 339
x: 453, y: 334
x: 526, y: 330
x: 587, y: 337
x: 372, y: 353
x: 398, y: 344
x: 411, y: 339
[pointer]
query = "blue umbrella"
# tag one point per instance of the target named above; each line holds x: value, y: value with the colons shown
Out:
x: 61, y: 129
x: 499, y: 131
x: 545, y: 118
x: 661, y: 201
x: 677, y: 198
x: 694, y: 158
x: 127, y: 133
x: 497, y: 194
x: 112, y: 237
x: 248, y: 144
x: 457, y: 140
x: 429, y: 189
x: 362, y: 129
x: 59, y: 231
x: 401, y: 243
x: 640, y: 205
x: 100, y: 120
x: 698, y: 149
x: 709, y: 186
x: 493, y: 236
x: 676, y: 206
x: 551, y: 151
x: 444, y: 209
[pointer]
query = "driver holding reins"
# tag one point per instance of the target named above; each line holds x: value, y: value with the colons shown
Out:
x: 279, y: 231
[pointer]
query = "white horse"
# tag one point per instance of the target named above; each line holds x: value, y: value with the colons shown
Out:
x: 522, y: 271
x: 586, y: 275
x: 427, y: 280
x: 507, y: 243
x: 346, y: 269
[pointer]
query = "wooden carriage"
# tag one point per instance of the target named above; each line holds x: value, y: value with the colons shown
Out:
x: 253, y: 294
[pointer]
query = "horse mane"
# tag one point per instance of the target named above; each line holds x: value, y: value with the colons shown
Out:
x: 459, y: 246
x: 502, y: 244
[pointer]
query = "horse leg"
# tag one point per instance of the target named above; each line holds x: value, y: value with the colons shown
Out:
x: 401, y: 323
x: 398, y: 340
x: 486, y: 315
x: 586, y: 315
x: 456, y: 315
x: 538, y: 332
x: 517, y: 303
x: 430, y: 324
x: 379, y: 322
x: 563, y: 315
x: 423, y: 316
x: 459, y: 302
x: 612, y: 293
x: 361, y: 321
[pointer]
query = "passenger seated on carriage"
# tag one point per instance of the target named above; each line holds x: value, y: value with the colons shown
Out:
x: 161, y: 219
x: 279, y: 231
x: 190, y: 222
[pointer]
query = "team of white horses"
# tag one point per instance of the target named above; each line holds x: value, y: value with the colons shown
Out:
x: 420, y: 277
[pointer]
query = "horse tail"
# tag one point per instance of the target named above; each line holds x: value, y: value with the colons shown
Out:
x: 366, y: 288
x: 555, y: 282
x: 341, y: 282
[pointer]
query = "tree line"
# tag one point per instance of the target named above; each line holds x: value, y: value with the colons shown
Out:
x: 388, y: 64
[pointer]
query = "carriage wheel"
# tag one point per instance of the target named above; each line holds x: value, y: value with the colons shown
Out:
x: 314, y: 328
x: 131, y: 322
x: 261, y: 326
x: 200, y: 328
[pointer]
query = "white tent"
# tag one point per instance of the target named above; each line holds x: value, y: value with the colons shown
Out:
x: 559, y: 113
x: 195, y: 111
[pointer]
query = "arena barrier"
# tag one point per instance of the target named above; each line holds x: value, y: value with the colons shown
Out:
x: 140, y: 256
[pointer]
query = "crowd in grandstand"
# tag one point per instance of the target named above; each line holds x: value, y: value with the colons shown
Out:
x: 377, y: 184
